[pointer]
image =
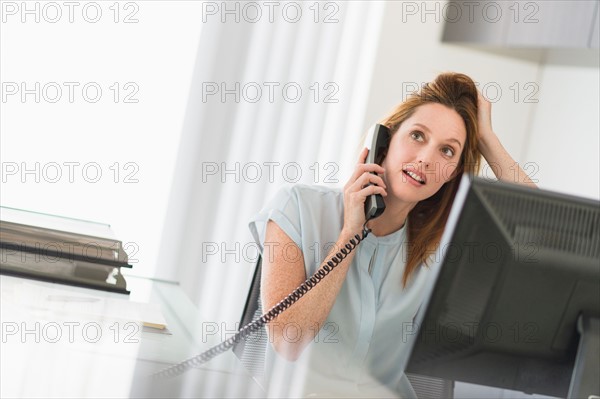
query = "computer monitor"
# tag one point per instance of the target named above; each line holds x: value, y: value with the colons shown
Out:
x: 517, y: 270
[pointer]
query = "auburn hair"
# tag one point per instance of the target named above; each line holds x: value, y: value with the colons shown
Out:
x: 426, y: 221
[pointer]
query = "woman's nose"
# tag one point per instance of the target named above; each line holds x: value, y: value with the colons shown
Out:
x: 425, y: 160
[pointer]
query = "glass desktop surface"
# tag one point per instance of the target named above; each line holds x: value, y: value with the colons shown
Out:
x: 47, y: 352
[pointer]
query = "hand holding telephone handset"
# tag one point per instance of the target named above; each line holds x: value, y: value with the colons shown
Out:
x: 377, y: 141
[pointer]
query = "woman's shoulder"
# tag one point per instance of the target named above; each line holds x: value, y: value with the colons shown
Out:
x: 315, y: 195
x: 314, y: 190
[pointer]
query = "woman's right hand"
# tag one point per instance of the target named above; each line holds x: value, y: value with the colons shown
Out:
x: 356, y: 191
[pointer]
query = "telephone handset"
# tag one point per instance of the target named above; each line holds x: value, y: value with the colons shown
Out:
x: 377, y: 142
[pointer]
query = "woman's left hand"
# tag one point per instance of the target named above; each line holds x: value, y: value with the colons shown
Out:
x: 504, y: 166
x: 484, y: 119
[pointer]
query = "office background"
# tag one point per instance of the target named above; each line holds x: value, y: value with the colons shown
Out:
x: 175, y: 127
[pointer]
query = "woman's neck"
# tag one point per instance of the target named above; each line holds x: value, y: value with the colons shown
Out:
x: 392, y: 219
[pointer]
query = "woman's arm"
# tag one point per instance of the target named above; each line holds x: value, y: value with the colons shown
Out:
x: 503, y: 165
x: 283, y: 271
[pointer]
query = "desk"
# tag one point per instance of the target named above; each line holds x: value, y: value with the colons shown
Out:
x: 50, y: 353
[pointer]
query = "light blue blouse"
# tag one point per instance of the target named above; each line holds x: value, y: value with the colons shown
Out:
x: 363, y: 342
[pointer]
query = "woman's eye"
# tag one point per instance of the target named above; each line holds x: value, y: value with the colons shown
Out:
x: 449, y: 152
x: 416, y: 135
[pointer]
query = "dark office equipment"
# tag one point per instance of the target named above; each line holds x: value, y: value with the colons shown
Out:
x: 515, y: 303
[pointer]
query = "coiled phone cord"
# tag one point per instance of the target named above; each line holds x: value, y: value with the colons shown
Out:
x: 266, y: 318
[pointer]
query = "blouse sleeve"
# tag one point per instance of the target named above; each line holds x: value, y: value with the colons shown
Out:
x: 311, y: 216
x: 283, y: 209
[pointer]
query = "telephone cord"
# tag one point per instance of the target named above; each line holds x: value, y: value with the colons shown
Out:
x: 269, y: 316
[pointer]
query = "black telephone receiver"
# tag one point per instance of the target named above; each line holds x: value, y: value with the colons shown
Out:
x: 377, y: 141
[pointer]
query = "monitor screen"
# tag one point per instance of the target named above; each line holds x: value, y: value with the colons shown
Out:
x: 514, y: 271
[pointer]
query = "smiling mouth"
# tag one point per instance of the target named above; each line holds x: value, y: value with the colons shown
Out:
x: 414, y: 176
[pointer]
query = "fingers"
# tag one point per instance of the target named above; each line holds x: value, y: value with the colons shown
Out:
x: 363, y: 167
x: 482, y: 101
x: 371, y: 190
x: 365, y: 174
x: 483, y: 105
x: 361, y: 189
x: 356, y: 199
x: 368, y: 180
x: 362, y: 157
x: 484, y: 118
x: 364, y: 182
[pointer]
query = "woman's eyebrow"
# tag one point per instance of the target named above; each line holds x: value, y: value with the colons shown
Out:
x: 456, y: 141
x: 422, y: 126
x: 428, y: 130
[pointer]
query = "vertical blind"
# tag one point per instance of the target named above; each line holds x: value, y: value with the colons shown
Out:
x: 272, y: 103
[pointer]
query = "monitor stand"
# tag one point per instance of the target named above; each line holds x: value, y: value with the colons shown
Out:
x: 585, y: 382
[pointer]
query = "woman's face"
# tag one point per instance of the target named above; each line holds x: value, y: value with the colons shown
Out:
x: 424, y: 153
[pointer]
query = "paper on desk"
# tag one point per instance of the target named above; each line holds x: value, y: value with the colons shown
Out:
x: 148, y: 314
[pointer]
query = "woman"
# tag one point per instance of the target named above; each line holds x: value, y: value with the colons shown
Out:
x: 354, y: 319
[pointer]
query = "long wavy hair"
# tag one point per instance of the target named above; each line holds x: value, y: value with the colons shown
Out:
x: 426, y: 221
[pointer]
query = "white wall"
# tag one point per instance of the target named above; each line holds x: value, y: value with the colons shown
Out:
x: 545, y: 102
x: 564, y: 140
